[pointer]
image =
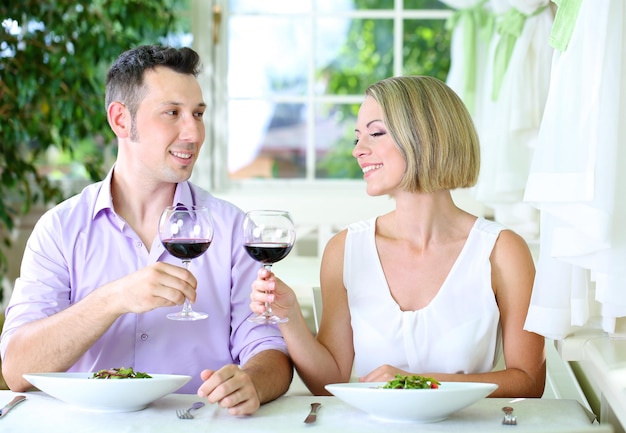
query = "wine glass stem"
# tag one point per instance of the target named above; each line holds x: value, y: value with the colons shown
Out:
x: 187, y: 305
x: 268, y: 305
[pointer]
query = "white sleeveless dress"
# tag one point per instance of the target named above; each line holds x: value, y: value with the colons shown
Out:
x: 457, y: 332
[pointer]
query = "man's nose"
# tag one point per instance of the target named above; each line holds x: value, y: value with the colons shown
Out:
x: 192, y: 130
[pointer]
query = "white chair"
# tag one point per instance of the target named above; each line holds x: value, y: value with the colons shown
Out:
x: 317, y: 307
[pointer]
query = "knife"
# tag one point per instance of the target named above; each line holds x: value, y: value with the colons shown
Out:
x: 17, y: 400
x: 312, y: 417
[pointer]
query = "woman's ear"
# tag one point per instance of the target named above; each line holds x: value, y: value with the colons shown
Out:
x: 119, y: 119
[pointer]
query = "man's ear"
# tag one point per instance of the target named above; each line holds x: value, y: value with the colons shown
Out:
x: 119, y: 119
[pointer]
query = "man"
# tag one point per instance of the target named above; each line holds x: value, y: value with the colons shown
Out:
x: 96, y: 283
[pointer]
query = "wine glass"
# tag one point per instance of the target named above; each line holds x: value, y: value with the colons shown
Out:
x: 186, y: 232
x: 268, y: 236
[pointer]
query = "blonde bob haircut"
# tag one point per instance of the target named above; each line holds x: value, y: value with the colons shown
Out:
x: 434, y: 131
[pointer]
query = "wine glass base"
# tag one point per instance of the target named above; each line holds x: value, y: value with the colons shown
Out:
x: 187, y: 315
x: 267, y: 320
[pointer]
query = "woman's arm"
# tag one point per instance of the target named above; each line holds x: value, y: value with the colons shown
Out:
x: 328, y: 357
x: 512, y: 276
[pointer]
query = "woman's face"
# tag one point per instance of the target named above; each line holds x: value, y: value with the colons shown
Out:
x: 378, y: 156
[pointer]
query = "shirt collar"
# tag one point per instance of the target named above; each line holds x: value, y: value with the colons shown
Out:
x: 104, y: 200
x: 183, y: 194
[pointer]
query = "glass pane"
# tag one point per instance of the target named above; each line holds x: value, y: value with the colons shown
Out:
x: 267, y: 140
x: 334, y: 5
x: 426, y: 48
x: 270, y: 6
x: 330, y: 45
x: 366, y: 56
x: 373, y: 4
x: 335, y: 141
x: 424, y: 4
x: 268, y: 55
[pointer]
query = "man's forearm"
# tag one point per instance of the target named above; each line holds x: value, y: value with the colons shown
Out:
x: 271, y: 372
x: 54, y: 343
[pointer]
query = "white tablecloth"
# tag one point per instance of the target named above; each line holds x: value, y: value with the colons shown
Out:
x: 41, y: 413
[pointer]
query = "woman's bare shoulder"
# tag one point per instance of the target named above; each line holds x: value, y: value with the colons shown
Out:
x: 510, y: 243
x: 335, y: 245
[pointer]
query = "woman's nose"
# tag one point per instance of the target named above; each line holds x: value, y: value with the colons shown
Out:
x: 359, y: 149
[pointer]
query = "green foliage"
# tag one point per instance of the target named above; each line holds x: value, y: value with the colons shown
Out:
x: 53, y: 61
x: 367, y: 57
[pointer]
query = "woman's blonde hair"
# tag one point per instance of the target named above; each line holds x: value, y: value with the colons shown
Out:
x: 434, y: 131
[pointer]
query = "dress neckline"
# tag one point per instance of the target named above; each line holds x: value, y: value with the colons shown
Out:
x: 444, y: 284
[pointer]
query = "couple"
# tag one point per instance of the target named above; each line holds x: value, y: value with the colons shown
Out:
x: 96, y: 283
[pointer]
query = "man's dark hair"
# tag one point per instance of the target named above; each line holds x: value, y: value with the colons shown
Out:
x: 124, y: 81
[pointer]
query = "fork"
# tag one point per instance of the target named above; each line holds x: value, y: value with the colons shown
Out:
x: 186, y: 413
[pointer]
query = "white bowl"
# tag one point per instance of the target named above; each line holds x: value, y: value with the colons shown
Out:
x: 106, y: 395
x: 416, y: 405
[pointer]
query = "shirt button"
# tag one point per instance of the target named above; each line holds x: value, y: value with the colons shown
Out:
x: 144, y: 337
x: 139, y: 244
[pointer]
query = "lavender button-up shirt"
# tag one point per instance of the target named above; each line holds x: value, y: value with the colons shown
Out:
x: 83, y: 244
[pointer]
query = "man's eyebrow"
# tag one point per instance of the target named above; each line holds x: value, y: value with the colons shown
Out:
x: 199, y: 104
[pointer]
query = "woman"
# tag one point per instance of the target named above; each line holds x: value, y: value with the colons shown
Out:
x: 428, y: 288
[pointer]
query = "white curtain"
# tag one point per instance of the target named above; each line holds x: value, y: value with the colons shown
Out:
x: 472, y: 29
x: 511, y: 107
x: 578, y: 175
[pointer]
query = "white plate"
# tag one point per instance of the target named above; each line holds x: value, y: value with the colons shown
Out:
x: 416, y: 405
x: 106, y: 395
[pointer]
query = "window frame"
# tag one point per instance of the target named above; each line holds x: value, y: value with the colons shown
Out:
x: 210, y: 34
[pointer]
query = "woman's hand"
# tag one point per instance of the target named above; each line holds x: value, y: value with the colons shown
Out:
x: 268, y: 288
x: 384, y: 373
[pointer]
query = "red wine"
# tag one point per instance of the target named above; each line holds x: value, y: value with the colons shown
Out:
x: 268, y: 252
x: 186, y: 248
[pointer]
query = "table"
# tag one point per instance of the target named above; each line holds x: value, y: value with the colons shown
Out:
x: 42, y: 413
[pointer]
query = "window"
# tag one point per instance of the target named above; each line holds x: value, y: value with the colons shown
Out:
x: 287, y: 78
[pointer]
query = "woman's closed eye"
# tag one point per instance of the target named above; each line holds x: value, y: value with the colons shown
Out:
x: 373, y: 134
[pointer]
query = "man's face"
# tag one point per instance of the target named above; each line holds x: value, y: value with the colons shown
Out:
x: 168, y: 129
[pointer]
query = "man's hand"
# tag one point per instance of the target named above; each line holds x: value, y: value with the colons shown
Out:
x: 155, y: 286
x: 231, y: 388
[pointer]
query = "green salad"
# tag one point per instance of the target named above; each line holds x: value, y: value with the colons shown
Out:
x: 411, y: 382
x: 120, y: 373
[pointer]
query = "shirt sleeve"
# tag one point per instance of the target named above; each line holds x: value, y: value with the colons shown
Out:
x: 42, y: 289
x: 247, y: 338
